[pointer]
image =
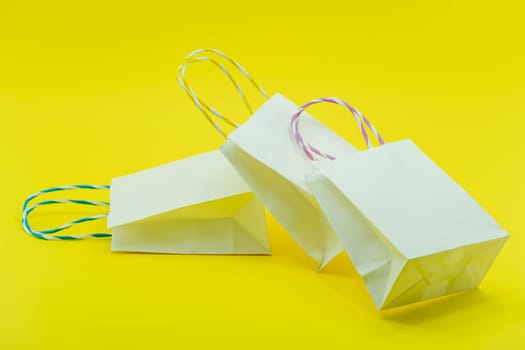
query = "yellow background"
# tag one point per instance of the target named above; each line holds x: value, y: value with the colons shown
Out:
x: 88, y: 91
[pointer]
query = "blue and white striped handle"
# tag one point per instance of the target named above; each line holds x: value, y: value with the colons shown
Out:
x: 48, y: 234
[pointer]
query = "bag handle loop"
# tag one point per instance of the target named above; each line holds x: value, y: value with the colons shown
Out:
x: 205, y: 108
x: 311, y: 151
x: 48, y: 234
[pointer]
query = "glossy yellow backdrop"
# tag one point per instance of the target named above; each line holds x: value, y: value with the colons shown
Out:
x: 88, y: 91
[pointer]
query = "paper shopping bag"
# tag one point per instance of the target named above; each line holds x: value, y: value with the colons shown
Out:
x: 197, y: 205
x: 263, y: 153
x: 409, y: 229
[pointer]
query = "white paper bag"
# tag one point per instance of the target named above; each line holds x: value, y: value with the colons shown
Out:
x: 197, y: 205
x: 263, y: 153
x: 409, y: 229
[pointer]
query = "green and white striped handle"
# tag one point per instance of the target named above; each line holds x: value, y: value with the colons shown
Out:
x: 49, y: 233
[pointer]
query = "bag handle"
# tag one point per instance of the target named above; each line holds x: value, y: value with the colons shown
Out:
x: 205, y: 108
x: 202, y: 106
x: 47, y: 234
x: 312, y: 151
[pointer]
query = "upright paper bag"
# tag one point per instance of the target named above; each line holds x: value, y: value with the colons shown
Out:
x: 263, y: 153
x: 197, y: 205
x: 409, y: 229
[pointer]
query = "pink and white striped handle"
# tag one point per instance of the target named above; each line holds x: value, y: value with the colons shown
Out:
x: 312, y: 151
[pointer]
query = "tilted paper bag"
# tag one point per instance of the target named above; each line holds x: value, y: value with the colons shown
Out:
x: 409, y: 229
x: 264, y: 154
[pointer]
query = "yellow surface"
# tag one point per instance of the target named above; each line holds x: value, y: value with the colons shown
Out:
x: 88, y: 91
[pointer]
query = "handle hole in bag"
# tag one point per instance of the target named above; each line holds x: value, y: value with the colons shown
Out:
x: 313, y: 152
